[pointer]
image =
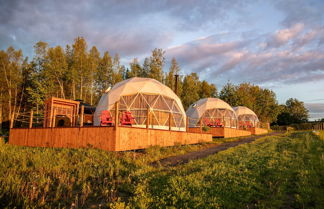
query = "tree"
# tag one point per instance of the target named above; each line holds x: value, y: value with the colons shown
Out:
x: 293, y: 112
x: 156, y: 64
x: 55, y: 70
x: 146, y: 68
x: 266, y: 106
x: 105, y: 73
x: 190, y: 92
x: 135, y: 69
x: 79, y: 66
x: 262, y: 101
x: 173, y: 70
x: 11, y: 78
x: 94, y: 59
x: 207, y: 90
x: 118, y: 70
x: 229, y: 94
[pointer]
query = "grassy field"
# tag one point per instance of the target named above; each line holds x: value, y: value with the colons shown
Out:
x: 272, y: 172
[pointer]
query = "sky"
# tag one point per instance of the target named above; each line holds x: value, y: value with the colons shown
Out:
x: 277, y: 44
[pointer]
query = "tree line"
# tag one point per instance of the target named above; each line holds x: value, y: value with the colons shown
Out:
x: 81, y: 72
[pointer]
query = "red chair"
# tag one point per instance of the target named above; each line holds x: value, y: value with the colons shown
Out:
x: 105, y: 118
x: 207, y: 122
x: 218, y: 123
x: 241, y: 125
x: 248, y: 124
x: 127, y: 119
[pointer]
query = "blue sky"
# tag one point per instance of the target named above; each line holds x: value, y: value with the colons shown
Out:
x: 275, y: 44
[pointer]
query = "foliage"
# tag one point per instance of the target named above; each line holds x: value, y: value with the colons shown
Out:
x: 273, y: 172
x: 293, y: 112
x: 79, y: 73
x: 262, y: 101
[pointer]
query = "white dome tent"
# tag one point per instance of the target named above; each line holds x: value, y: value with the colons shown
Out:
x: 246, y: 117
x: 138, y: 95
x: 211, y: 111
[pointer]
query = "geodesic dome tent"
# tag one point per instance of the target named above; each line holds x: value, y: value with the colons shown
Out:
x: 212, y: 112
x: 246, y: 117
x: 140, y: 95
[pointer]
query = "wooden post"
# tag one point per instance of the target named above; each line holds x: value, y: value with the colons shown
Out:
x: 31, y: 119
x: 200, y: 124
x: 82, y: 116
x: 176, y: 84
x: 54, y: 118
x: 170, y: 118
x: 116, y: 115
x: 12, y: 119
x: 147, y: 118
x: 187, y: 123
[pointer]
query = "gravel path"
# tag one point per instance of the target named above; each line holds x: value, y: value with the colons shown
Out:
x: 182, y: 159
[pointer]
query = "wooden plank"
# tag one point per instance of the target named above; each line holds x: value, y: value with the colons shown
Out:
x: 103, y: 137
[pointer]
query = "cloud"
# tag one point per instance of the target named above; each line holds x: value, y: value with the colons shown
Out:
x: 291, y: 54
x: 315, y: 107
x: 283, y: 36
x: 308, y: 12
x: 131, y: 28
x: 298, y: 60
x: 316, y: 110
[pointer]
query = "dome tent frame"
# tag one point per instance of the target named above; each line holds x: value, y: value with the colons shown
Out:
x: 245, y: 114
x: 212, y: 109
x: 160, y: 108
x: 146, y: 99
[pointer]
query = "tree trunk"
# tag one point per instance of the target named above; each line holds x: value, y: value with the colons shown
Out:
x: 81, y: 88
x: 73, y: 89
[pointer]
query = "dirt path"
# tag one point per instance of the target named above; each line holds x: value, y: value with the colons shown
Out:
x: 182, y: 159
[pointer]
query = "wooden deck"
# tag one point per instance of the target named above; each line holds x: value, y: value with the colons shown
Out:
x: 106, y: 138
x: 222, y: 132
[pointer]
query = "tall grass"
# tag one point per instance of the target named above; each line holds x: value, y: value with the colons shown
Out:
x: 272, y: 172
x: 275, y: 172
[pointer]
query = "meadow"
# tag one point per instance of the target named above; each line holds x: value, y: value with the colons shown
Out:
x: 284, y: 171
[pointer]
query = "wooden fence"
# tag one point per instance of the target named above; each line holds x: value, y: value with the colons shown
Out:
x: 257, y: 131
x: 318, y: 126
x: 221, y: 132
x: 106, y: 138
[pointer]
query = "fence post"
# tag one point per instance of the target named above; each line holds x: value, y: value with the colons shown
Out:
x: 170, y: 117
x: 116, y: 115
x: 187, y: 123
x: 31, y: 119
x: 12, y: 119
x: 147, y: 118
x: 82, y: 116
x: 54, y: 118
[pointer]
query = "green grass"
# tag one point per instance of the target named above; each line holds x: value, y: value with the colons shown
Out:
x: 272, y: 172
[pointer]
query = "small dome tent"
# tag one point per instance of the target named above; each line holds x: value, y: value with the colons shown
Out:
x: 212, y: 112
x: 139, y: 95
x: 246, y: 117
